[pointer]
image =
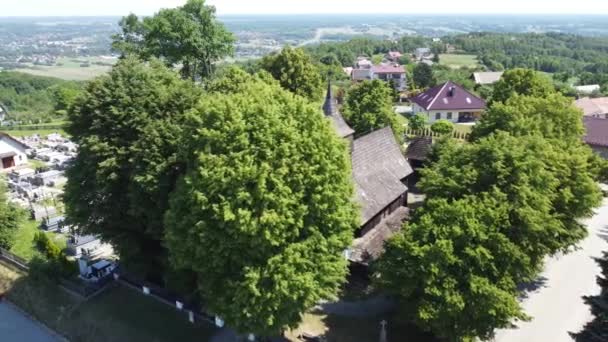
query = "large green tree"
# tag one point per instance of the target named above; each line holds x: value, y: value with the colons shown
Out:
x: 189, y: 36
x: 10, y: 218
x: 519, y: 81
x: 553, y: 116
x: 369, y: 106
x: 597, y: 329
x: 422, y: 75
x: 265, y: 208
x: 296, y: 72
x: 454, y: 267
x: 127, y: 125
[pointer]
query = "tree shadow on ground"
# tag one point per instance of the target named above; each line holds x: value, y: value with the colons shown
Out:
x: 365, y: 329
x: 603, y: 233
x: 526, y: 289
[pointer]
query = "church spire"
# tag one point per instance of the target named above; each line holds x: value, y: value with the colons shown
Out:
x: 329, y: 107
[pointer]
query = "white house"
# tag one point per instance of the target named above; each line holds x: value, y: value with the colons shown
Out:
x: 448, y: 101
x: 12, y: 152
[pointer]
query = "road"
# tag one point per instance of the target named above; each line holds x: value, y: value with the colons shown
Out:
x: 15, y: 327
x: 556, y: 304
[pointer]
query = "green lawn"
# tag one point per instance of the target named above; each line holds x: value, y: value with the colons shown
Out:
x: 24, y: 245
x: 118, y: 314
x: 25, y: 133
x: 70, y: 69
x: 456, y: 61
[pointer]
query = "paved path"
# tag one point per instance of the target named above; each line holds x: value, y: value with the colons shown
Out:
x: 15, y: 327
x: 556, y: 305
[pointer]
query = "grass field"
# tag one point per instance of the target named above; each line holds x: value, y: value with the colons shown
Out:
x: 118, y: 314
x: 457, y: 61
x: 24, y: 245
x: 70, y: 68
x: 26, y: 133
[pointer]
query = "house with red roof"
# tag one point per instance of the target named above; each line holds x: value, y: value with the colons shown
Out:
x: 596, y: 134
x: 393, y: 56
x: 448, y: 101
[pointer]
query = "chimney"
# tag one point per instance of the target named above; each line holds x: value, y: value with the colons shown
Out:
x: 451, y: 91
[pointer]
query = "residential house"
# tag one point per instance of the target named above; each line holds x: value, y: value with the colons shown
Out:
x: 393, y: 56
x: 422, y: 53
x: 596, y: 135
x: 12, y: 152
x: 379, y: 172
x: 486, y: 78
x: 448, y: 101
x: 363, y: 63
x: 595, y: 107
x: 587, y: 89
x: 392, y: 73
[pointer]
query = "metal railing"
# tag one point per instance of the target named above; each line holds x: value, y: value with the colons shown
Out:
x: 14, y: 260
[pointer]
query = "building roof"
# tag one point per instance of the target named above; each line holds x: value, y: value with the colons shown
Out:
x: 394, y: 54
x: 378, y: 168
x: 371, y: 245
x: 330, y: 108
x: 4, y: 136
x: 448, y: 96
x: 596, y: 131
x: 587, y: 89
x: 591, y: 107
x: 419, y: 148
x: 487, y: 77
x: 388, y: 69
x: 420, y: 51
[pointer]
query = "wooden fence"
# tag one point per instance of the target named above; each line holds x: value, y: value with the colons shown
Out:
x: 427, y: 132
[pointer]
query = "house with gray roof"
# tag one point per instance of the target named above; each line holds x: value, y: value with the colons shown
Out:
x: 448, y: 101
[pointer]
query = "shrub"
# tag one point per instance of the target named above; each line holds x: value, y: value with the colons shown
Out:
x: 442, y: 127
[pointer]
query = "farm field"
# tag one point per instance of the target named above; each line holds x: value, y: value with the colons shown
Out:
x: 457, y: 61
x: 70, y: 68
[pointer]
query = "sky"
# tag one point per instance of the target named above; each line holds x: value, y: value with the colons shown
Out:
x: 225, y: 7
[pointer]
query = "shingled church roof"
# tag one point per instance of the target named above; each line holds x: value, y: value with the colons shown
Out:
x: 330, y: 108
x: 378, y: 168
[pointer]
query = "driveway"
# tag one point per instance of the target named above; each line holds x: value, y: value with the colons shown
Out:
x: 555, y: 301
x: 15, y: 327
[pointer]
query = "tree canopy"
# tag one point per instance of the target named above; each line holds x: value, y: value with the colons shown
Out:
x: 127, y: 125
x: 495, y: 208
x: 525, y: 82
x: 10, y: 218
x: 265, y: 208
x: 189, y: 36
x: 296, y: 72
x: 422, y: 76
x: 369, y: 106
